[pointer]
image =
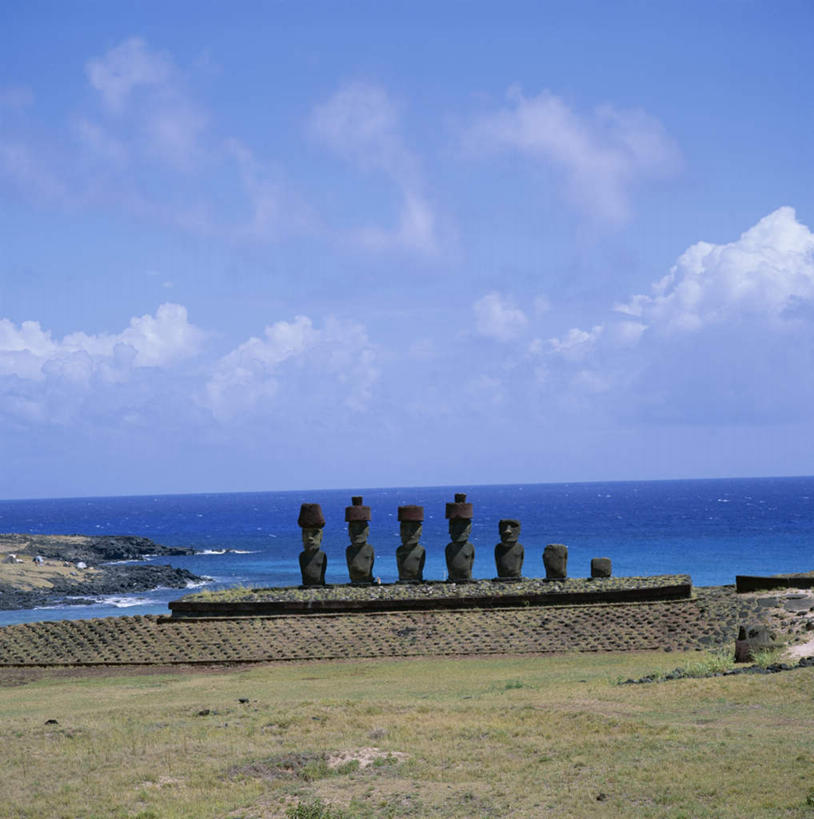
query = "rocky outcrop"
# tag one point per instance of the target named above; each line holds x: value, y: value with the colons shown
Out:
x: 90, y: 549
x: 52, y: 569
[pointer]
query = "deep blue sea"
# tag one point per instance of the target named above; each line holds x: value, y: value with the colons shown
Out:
x: 710, y: 529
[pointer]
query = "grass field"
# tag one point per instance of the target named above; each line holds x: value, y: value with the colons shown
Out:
x: 498, y: 736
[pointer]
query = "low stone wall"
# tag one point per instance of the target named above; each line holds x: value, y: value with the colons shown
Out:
x: 709, y: 619
x: 751, y: 583
x: 431, y: 596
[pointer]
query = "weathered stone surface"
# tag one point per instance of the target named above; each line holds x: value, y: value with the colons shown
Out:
x: 153, y: 640
x: 459, y: 553
x: 410, y: 556
x: 313, y: 561
x: 311, y: 516
x: 509, y: 553
x: 356, y: 511
x: 600, y: 567
x: 555, y: 560
x: 751, y: 639
x: 359, y: 555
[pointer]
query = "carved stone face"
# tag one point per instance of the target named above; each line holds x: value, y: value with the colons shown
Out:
x: 311, y: 538
x: 460, y: 529
x: 358, y: 531
x: 410, y: 531
x: 509, y: 532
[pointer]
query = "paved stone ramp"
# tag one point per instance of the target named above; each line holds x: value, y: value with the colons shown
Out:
x: 705, y: 621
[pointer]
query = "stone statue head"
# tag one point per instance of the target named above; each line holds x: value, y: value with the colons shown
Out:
x: 410, y: 531
x: 311, y: 520
x: 460, y: 529
x: 311, y: 537
x: 358, y: 530
x: 509, y: 530
x: 411, y: 522
x: 459, y: 515
x: 357, y: 517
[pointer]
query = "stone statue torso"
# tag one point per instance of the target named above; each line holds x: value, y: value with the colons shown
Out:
x: 312, y: 565
x: 360, y: 562
x: 410, y: 560
x: 509, y: 559
x: 460, y: 557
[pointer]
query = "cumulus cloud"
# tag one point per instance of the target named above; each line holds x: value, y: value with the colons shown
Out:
x: 767, y: 272
x: 497, y: 317
x: 600, y: 156
x: 295, y: 362
x: 32, y: 353
x: 362, y: 124
x: 726, y: 336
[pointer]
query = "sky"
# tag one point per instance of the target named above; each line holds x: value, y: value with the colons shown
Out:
x: 287, y: 245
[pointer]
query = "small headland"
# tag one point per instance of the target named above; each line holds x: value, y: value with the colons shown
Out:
x: 36, y: 570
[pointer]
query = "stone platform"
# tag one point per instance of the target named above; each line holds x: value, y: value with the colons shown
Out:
x: 431, y: 596
x: 709, y: 619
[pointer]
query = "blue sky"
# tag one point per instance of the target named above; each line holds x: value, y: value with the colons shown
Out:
x: 306, y: 245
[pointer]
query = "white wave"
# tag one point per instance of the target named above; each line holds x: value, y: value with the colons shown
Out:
x: 125, y: 602
x: 191, y: 584
x: 227, y: 552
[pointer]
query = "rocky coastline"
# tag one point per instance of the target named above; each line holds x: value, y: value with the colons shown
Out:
x: 37, y: 570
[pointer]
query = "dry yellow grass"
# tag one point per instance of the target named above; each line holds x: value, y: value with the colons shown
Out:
x: 31, y: 576
x: 499, y: 736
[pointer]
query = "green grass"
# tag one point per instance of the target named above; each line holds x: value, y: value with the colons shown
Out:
x: 500, y: 736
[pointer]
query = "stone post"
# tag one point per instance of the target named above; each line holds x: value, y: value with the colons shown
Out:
x: 555, y: 560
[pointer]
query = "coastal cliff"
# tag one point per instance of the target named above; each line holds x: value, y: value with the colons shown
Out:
x: 40, y: 569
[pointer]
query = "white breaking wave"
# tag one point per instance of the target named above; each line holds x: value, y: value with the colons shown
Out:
x: 191, y: 584
x: 125, y: 602
x: 227, y: 552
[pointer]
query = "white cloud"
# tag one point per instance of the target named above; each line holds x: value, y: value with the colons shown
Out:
x: 125, y: 67
x: 294, y: 362
x: 362, y: 124
x: 31, y: 353
x: 497, y: 317
x: 274, y: 210
x: 576, y: 343
x: 725, y: 337
x: 768, y: 272
x: 143, y: 91
x: 600, y: 156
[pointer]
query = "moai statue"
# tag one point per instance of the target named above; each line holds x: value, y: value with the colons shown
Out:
x: 600, y: 567
x: 555, y: 559
x: 460, y: 553
x: 509, y: 553
x: 313, y: 560
x: 410, y: 555
x: 359, y: 554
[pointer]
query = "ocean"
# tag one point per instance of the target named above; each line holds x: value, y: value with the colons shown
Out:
x: 709, y: 529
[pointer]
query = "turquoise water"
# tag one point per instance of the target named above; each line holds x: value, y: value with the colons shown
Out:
x: 709, y: 529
